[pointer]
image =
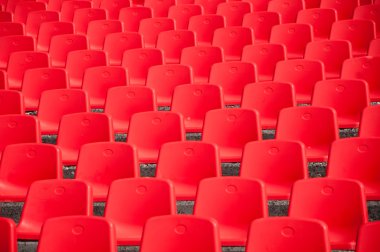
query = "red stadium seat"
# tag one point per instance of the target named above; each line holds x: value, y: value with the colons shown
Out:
x: 185, y: 164
x: 97, y: 81
x: 308, y: 196
x: 11, y: 102
x: 81, y: 128
x: 209, y: 6
x: 258, y: 5
x: 201, y: 59
x: 98, y: 29
x: 23, y: 8
x: 11, y: 28
x: 374, y: 48
x: 367, y: 238
x: 6, y: 16
x: 295, y: 234
x: 59, y: 102
x: 77, y: 233
x: 234, y: 203
x: 232, y: 41
x: 113, y: 7
x: 268, y: 161
x: 265, y: 57
x: 50, y: 29
x: 99, y: 164
x: 124, y: 101
x: 268, y: 98
x: 288, y: 10
x: 320, y: 19
x: 193, y: 101
x: 370, y: 12
x: 204, y: 26
x: 369, y: 122
x: 345, y: 9
x: 78, y: 61
x: 182, y: 13
x: 131, y: 17
x: 138, y: 61
x: 150, y: 28
x: 190, y: 234
x: 261, y: 22
x: 83, y: 16
x: 61, y: 45
x: 15, y: 43
x: 231, y: 129
x: 116, y: 43
x: 160, y: 8
x: 69, y: 7
x: 234, y: 12
x: 347, y: 97
x: 294, y: 37
x: 232, y: 77
x: 164, y: 78
x: 127, y: 206
x: 36, y: 18
x: 52, y: 198
x: 295, y: 124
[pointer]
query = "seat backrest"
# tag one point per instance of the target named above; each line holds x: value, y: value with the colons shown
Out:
x: 113, y: 7
x: 234, y: 12
x: 369, y: 122
x: 268, y: 98
x: 23, y: 8
x: 150, y: 28
x: 13, y: 43
x: 61, y: 45
x: 78, y: 233
x: 131, y: 17
x: 116, y: 43
x: 182, y: 13
x: 209, y: 7
x: 184, y: 233
x: 50, y: 29
x: 368, y: 239
x: 8, y: 237
x: 36, y: 18
x: 261, y: 22
x: 11, y: 102
x: 98, y: 29
x: 295, y: 234
x: 159, y: 8
x: 204, y: 26
x: 11, y: 28
x: 6, y: 16
x: 287, y: 10
x: 69, y: 7
x: 321, y: 20
x: 83, y: 16
x: 344, y: 9
x: 369, y: 12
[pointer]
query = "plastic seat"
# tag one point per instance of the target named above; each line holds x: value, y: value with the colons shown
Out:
x: 365, y: 68
x: 258, y: 5
x: 23, y: 8
x: 61, y: 45
x: 97, y: 81
x: 78, y: 61
x: 131, y: 17
x: 181, y: 14
x: 11, y: 28
x: 95, y: 234
x: 151, y: 27
x: 303, y: 74
x: 22, y: 164
x: 308, y: 196
x: 19, y: 62
x: 116, y: 43
x: 234, y: 12
x: 261, y: 22
x: 204, y: 26
x: 69, y: 7
x: 127, y: 201
x: 358, y: 32
x: 37, y: 80
x: 11, y: 102
x: 84, y: 16
x: 268, y: 98
x: 370, y: 12
x: 347, y: 155
x: 193, y: 101
x: 172, y: 42
x: 288, y: 10
x: 320, y: 19
x: 332, y: 53
x: 196, y: 234
x: 36, y: 18
x: 232, y: 41
x: 201, y: 59
x: 52, y: 198
x: 231, y: 129
x: 185, y: 164
x: 54, y: 5
x: 223, y: 199
x: 113, y: 7
x: 297, y: 123
x: 265, y: 58
x: 138, y: 61
x: 149, y: 130
x: 369, y: 122
x: 98, y: 30
x: 232, y: 77
x: 294, y: 37
x: 347, y: 97
x: 209, y: 6
x: 159, y: 8
x: 50, y: 29
x: 59, y: 102
x: 344, y: 9
x: 124, y: 101
x: 374, y: 48
x: 8, y: 238
x: 269, y: 162
x: 367, y: 238
x: 13, y: 43
x: 81, y: 128
x: 295, y: 234
x: 6, y: 16
x: 164, y: 78
x: 99, y: 164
